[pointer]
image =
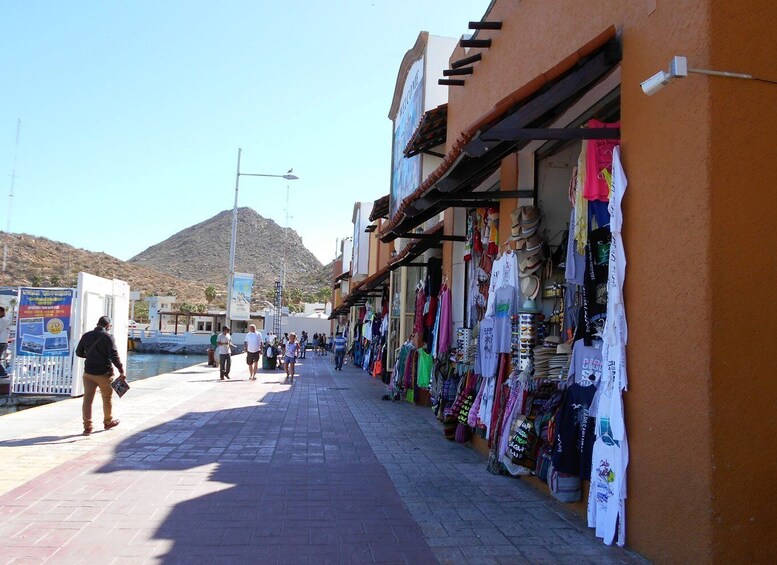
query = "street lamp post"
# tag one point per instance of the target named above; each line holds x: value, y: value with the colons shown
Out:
x: 233, y: 242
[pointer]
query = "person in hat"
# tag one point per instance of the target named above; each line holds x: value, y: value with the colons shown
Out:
x: 98, y: 349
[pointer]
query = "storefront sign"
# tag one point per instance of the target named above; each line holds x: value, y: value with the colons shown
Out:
x: 43, y: 322
x: 406, y: 173
x: 242, y: 285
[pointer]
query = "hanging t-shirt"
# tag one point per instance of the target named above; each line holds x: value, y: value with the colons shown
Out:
x: 575, y: 262
x: 418, y: 321
x: 599, y: 158
x: 424, y: 368
x: 443, y: 332
x: 487, y: 358
x: 595, y: 283
x: 607, y: 496
x: 586, y: 362
x: 503, y: 272
x: 575, y: 432
x: 507, y: 300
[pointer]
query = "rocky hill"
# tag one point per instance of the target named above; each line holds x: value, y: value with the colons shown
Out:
x: 37, y: 261
x: 201, y: 253
x: 183, y: 265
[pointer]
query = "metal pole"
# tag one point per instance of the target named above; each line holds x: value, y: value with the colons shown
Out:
x: 10, y: 194
x: 232, y: 245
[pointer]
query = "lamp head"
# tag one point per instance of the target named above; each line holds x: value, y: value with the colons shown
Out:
x: 656, y: 82
x: 289, y: 176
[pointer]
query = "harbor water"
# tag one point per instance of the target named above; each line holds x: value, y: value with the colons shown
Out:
x: 145, y: 365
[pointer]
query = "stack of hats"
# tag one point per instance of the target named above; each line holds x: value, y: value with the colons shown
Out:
x: 550, y: 359
x: 526, y: 223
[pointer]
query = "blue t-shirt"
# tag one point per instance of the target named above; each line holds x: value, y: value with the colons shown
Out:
x: 340, y: 344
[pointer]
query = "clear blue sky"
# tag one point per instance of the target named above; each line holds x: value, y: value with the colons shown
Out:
x: 132, y: 112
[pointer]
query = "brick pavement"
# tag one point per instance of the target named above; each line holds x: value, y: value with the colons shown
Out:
x: 202, y: 471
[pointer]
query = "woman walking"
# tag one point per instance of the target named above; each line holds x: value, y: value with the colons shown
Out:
x: 292, y: 351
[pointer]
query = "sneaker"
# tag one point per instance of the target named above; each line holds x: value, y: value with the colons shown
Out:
x: 87, y: 431
x: 111, y: 424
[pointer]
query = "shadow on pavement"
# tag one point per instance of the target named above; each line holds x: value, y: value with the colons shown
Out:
x: 288, y: 479
x: 42, y: 440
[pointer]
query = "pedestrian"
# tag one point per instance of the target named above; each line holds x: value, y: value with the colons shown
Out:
x: 303, y: 343
x: 253, y: 348
x: 339, y: 346
x: 5, y: 335
x: 330, y: 343
x: 290, y: 355
x: 281, y: 356
x: 98, y: 348
x: 321, y: 344
x: 224, y: 351
x: 213, y: 345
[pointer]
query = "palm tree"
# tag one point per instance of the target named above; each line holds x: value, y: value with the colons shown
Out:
x: 210, y: 294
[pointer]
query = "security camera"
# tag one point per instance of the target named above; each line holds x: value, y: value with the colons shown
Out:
x: 656, y: 82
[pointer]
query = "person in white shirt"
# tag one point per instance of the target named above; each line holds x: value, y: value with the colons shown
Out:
x: 224, y: 351
x: 253, y: 349
x: 290, y: 355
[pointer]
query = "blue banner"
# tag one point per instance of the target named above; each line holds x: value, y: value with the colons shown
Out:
x: 242, y: 285
x: 43, y: 322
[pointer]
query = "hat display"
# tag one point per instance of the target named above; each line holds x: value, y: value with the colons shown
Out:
x: 525, y: 221
x: 530, y: 286
x: 530, y: 265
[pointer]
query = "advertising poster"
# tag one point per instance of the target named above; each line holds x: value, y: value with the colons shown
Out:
x: 242, y: 285
x: 43, y: 322
x: 406, y: 173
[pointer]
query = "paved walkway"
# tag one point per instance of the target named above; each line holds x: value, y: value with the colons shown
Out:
x: 321, y: 471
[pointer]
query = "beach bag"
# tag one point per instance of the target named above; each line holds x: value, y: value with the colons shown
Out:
x: 563, y: 486
x: 543, y: 463
x: 463, y: 433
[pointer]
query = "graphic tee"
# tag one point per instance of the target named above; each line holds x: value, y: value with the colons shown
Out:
x: 506, y: 306
x: 575, y: 436
x: 292, y: 349
x: 586, y: 362
x: 487, y: 358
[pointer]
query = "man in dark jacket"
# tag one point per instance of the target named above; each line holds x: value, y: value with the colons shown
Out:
x: 98, y: 348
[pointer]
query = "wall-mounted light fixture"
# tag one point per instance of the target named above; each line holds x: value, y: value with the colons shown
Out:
x: 678, y: 68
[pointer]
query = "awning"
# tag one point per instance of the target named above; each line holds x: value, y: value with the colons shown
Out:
x: 432, y: 131
x: 415, y: 248
x: 510, y: 125
x: 380, y: 208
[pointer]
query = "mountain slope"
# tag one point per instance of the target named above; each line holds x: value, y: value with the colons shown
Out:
x: 201, y: 253
x: 37, y: 261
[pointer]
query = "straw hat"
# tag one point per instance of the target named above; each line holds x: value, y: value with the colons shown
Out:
x: 530, y: 286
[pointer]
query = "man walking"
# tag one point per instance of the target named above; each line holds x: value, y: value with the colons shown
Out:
x: 98, y: 348
x: 224, y: 351
x: 339, y: 347
x: 253, y: 347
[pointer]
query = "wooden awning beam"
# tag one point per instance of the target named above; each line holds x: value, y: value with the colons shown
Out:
x: 467, y: 61
x: 485, y: 25
x: 520, y: 134
x: 458, y: 72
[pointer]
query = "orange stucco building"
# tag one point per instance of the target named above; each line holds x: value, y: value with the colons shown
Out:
x: 699, y: 235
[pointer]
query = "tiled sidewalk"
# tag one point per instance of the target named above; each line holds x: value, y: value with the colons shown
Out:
x: 322, y: 471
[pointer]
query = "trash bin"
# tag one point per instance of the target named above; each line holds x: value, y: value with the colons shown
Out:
x: 211, y: 357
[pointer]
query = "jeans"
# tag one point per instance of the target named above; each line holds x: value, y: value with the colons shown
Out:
x: 225, y: 364
x: 339, y: 356
x: 91, y: 384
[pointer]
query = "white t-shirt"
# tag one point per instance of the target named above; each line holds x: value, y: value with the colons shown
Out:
x: 291, y: 349
x: 4, y: 333
x: 253, y: 342
x: 224, y: 342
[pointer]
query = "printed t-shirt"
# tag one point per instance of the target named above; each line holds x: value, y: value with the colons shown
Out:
x: 487, y: 358
x: 506, y: 301
x: 253, y: 342
x: 598, y: 159
x: 606, y: 499
x: 586, y: 361
x: 292, y: 349
x: 575, y: 436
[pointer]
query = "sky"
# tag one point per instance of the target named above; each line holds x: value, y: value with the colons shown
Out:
x: 132, y: 113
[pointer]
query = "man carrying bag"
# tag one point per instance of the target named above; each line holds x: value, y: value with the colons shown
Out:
x: 98, y: 348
